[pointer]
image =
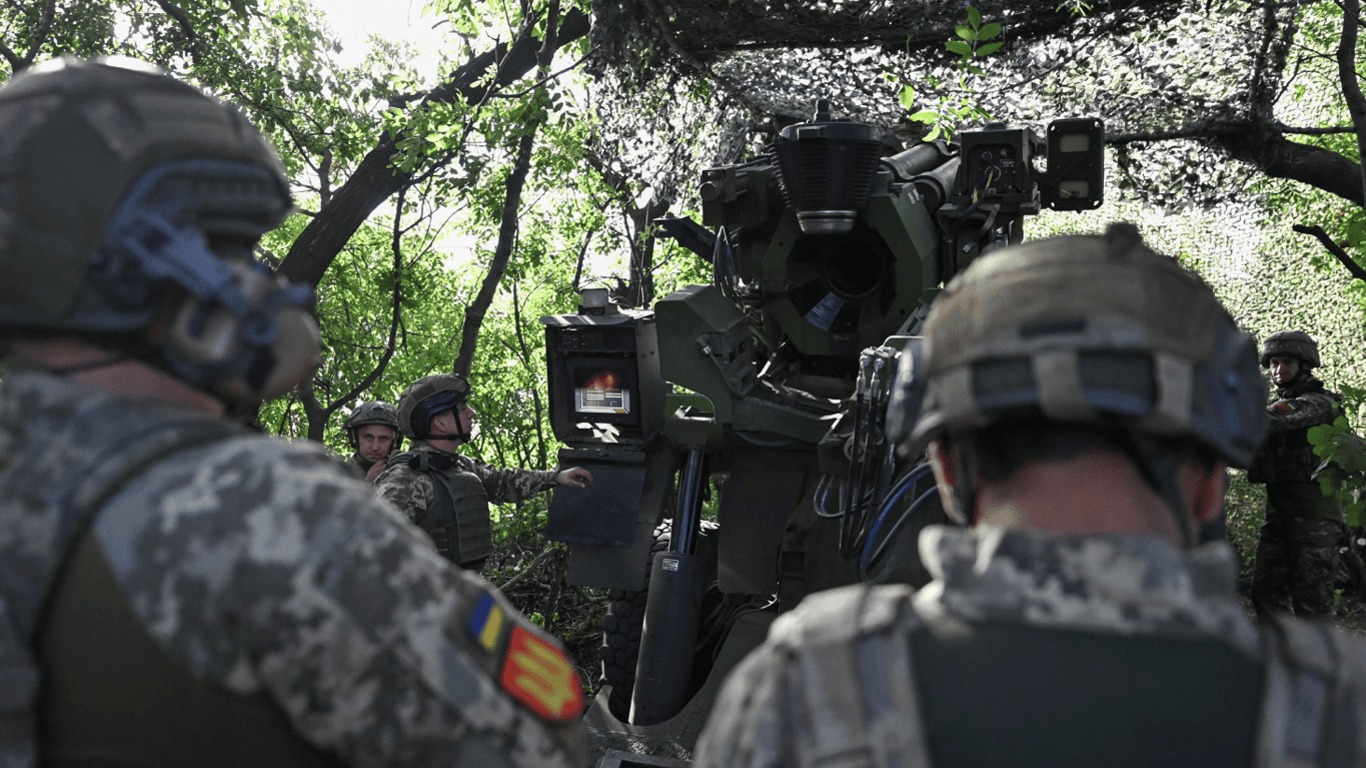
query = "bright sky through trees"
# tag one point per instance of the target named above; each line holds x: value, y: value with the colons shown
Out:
x: 400, y: 20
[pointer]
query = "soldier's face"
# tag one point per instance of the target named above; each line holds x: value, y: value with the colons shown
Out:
x: 466, y: 415
x: 444, y: 423
x: 1284, y: 369
x: 376, y: 441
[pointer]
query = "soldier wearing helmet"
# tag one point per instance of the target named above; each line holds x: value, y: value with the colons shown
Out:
x: 176, y: 589
x: 445, y: 493
x: 372, y: 430
x: 1080, y: 398
x: 1297, y: 549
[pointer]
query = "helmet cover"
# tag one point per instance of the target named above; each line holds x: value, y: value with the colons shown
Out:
x: 116, y: 180
x: 1093, y: 331
x: 1296, y: 344
x: 428, y: 397
x: 367, y: 414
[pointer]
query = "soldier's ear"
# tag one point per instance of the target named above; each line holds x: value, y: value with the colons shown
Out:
x: 1204, y: 489
x: 945, y: 468
x: 942, y: 463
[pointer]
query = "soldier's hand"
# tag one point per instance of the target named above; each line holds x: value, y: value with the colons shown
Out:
x: 376, y: 469
x: 576, y: 477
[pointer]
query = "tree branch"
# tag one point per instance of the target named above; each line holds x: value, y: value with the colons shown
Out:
x: 1351, y: 86
x: 1338, y: 253
x: 375, y: 179
x: 507, y: 230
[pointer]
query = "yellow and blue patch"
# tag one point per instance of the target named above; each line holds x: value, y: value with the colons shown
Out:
x: 539, y: 675
x: 487, y: 622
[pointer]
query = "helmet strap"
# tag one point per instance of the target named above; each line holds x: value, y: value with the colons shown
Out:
x: 460, y: 433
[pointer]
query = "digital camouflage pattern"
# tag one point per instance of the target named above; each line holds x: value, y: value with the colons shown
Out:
x: 1297, y: 560
x: 258, y: 566
x: 413, y: 491
x: 1124, y: 584
x: 1297, y: 548
x: 1287, y: 456
x: 358, y: 465
x: 834, y: 683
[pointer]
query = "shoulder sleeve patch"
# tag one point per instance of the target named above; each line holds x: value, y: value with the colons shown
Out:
x: 1284, y: 406
x: 540, y: 676
x: 486, y: 623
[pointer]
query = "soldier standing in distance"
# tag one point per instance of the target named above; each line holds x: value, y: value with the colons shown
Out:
x: 1297, y: 550
x: 175, y: 589
x: 445, y: 493
x: 372, y: 430
x: 1081, y: 396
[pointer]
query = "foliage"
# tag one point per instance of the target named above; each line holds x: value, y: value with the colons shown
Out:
x: 1343, y: 470
x: 962, y: 106
x: 1245, y: 508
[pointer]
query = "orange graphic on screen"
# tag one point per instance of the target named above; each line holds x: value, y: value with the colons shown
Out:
x: 602, y: 381
x: 603, y: 392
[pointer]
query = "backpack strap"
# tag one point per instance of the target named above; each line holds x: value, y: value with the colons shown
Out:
x: 122, y: 452
x: 853, y: 695
x: 1304, y: 671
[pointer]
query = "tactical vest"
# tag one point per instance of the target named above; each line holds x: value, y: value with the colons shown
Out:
x: 458, y: 518
x: 78, y: 670
x: 996, y: 694
x: 1287, y: 457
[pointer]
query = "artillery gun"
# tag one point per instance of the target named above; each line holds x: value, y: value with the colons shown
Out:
x: 772, y: 381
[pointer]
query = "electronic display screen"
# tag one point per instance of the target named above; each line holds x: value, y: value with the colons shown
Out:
x: 600, y: 391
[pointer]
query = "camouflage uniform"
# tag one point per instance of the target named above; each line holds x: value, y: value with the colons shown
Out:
x: 1297, y: 550
x: 265, y: 581
x: 357, y: 465
x: 471, y: 484
x: 837, y: 684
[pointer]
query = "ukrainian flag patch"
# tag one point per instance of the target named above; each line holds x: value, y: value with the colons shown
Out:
x: 486, y: 625
x: 539, y: 675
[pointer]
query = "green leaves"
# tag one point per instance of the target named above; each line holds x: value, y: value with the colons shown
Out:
x: 1344, y: 465
x: 963, y: 104
x: 973, y: 34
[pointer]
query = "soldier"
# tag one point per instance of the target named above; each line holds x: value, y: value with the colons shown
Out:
x: 176, y: 589
x: 1081, y: 396
x: 447, y: 494
x: 372, y: 430
x: 1297, y: 550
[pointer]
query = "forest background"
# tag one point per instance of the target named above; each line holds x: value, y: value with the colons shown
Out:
x: 439, y: 216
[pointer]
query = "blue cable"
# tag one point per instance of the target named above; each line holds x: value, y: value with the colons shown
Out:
x: 906, y: 483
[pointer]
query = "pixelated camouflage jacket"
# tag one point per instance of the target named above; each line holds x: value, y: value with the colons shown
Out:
x: 834, y: 679
x: 412, y: 490
x: 257, y: 565
x: 1286, y: 456
x: 355, y: 465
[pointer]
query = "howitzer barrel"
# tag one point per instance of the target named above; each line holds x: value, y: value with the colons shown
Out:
x: 936, y: 185
x: 921, y: 158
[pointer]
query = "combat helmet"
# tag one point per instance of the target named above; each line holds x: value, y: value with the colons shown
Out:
x: 367, y: 414
x: 1086, y: 330
x: 122, y: 187
x: 1297, y: 344
x: 427, y: 397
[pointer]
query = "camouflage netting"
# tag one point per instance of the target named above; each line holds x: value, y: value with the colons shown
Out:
x: 637, y: 33
x: 716, y: 79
